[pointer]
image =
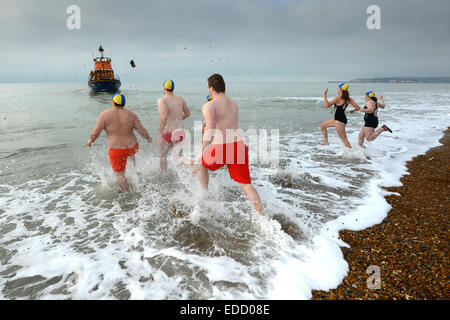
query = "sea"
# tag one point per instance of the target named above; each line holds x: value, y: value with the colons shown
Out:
x: 66, y: 232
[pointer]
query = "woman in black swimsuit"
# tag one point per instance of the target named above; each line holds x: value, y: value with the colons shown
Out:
x: 371, y: 119
x: 340, y: 103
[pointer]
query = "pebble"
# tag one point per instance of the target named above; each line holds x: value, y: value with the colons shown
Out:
x: 411, y: 244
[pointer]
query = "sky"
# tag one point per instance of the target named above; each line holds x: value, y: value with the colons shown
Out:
x: 247, y: 40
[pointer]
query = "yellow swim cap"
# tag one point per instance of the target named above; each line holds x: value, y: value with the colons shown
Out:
x: 344, y: 86
x: 370, y: 94
x: 119, y: 99
x: 169, y: 85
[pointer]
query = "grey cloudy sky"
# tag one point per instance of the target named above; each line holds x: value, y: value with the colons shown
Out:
x: 266, y: 40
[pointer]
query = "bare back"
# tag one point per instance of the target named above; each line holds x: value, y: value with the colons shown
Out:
x: 173, y: 110
x: 222, y: 113
x: 340, y: 101
x: 119, y: 124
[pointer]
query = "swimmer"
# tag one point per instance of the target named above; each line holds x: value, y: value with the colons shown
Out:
x: 340, y: 119
x: 172, y: 110
x: 221, y: 137
x: 371, y: 119
x: 119, y: 124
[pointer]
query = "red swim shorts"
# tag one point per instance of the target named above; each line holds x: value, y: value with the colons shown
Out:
x: 118, y: 157
x: 174, y: 137
x: 234, y: 155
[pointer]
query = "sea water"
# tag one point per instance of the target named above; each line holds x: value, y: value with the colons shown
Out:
x: 67, y: 233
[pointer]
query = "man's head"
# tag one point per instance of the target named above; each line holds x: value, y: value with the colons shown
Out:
x: 168, y: 86
x: 216, y: 84
x: 118, y: 100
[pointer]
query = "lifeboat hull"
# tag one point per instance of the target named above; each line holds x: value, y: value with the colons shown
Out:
x: 111, y: 86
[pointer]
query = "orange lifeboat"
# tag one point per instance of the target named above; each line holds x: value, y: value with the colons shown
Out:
x: 102, y: 78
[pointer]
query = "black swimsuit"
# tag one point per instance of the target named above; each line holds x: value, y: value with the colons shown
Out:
x: 339, y: 114
x: 370, y: 119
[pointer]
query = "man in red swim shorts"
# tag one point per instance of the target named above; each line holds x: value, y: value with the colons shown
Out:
x: 119, y: 125
x: 172, y: 110
x: 222, y: 145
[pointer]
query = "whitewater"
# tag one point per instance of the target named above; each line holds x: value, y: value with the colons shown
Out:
x: 66, y: 233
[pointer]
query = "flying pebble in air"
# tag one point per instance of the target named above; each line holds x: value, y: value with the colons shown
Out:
x: 133, y: 65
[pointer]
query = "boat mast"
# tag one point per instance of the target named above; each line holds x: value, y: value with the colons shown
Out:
x: 101, y: 51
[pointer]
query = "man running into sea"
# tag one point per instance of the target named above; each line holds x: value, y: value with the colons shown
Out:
x: 172, y: 110
x: 221, y: 144
x: 119, y: 125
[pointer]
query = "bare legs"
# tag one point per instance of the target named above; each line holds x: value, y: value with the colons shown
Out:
x: 203, y: 175
x: 340, y: 128
x: 375, y: 134
x: 369, y: 134
x: 324, y: 126
x: 164, y: 150
x: 194, y: 168
x: 253, y: 197
x: 361, y: 137
x: 122, y: 181
x: 250, y: 191
x: 177, y: 154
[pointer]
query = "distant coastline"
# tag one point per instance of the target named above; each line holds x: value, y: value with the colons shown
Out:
x: 400, y: 80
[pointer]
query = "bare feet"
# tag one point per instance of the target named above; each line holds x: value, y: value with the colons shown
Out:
x: 324, y: 143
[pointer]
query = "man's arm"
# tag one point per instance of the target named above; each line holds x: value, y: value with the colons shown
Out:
x: 186, y: 110
x: 210, y: 127
x: 99, y: 126
x: 141, y: 130
x: 163, y: 115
